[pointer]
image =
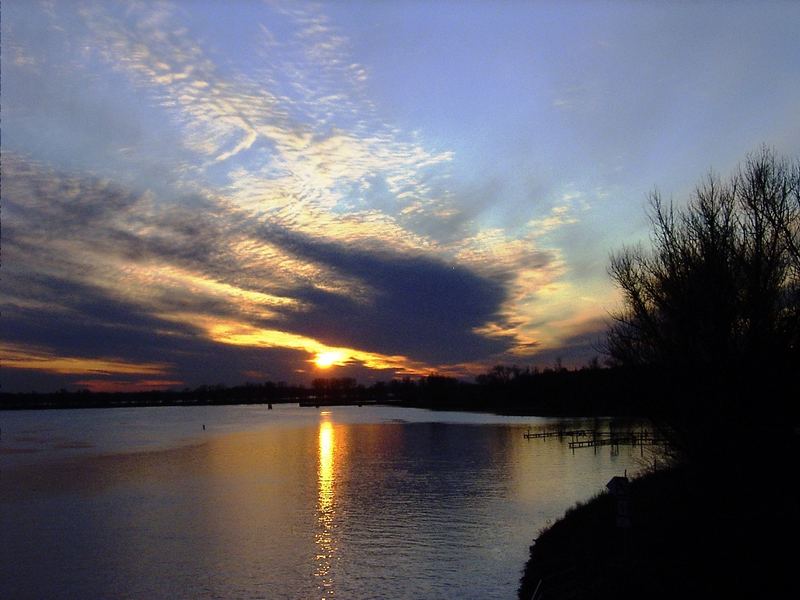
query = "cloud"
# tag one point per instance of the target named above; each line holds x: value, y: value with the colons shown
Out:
x: 302, y: 159
x: 579, y: 348
x: 85, y: 253
x: 293, y: 219
x: 415, y: 303
x: 239, y: 334
x: 38, y: 359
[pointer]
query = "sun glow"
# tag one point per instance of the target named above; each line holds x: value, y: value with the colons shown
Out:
x: 327, y: 359
x: 323, y: 356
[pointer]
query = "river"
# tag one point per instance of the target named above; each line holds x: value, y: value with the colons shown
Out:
x: 295, y: 503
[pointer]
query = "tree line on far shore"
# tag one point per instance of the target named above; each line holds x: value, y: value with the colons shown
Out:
x: 587, y: 391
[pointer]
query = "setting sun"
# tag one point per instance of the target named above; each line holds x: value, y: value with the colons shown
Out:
x: 323, y: 360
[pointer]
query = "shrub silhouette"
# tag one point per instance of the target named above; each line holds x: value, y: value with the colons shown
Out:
x: 711, y: 312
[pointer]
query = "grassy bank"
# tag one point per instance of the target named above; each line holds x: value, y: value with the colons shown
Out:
x: 693, y: 534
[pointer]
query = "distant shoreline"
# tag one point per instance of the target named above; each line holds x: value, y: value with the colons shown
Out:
x: 511, y: 391
x: 47, y: 405
x: 505, y: 391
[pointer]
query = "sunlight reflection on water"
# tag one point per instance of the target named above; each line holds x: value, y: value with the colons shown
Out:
x: 375, y: 502
x: 325, y: 509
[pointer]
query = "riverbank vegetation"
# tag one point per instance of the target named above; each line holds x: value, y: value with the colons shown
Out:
x: 691, y: 537
x: 711, y: 321
x: 712, y: 311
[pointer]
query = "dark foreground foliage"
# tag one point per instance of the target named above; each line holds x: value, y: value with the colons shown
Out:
x: 693, y: 536
x: 710, y: 332
x: 712, y: 310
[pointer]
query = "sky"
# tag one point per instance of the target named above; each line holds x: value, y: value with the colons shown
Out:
x: 220, y: 192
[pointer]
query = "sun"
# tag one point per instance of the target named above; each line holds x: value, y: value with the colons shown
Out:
x: 324, y: 360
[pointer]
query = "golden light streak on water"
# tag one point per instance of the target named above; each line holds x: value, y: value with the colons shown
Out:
x: 326, y: 510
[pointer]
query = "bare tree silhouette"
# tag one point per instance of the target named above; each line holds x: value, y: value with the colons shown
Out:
x: 713, y: 310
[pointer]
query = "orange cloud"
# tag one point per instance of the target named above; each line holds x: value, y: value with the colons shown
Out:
x: 241, y: 334
x: 22, y: 357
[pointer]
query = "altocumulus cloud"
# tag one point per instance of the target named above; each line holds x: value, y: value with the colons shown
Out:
x: 97, y: 272
x: 277, y: 217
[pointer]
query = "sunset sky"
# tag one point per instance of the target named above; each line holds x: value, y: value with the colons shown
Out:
x: 203, y: 192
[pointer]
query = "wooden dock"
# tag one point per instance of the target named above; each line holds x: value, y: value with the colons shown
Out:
x: 560, y: 433
x: 595, y: 438
x: 604, y: 441
x: 641, y: 439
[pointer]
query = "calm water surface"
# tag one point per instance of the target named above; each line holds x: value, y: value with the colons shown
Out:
x: 300, y: 503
